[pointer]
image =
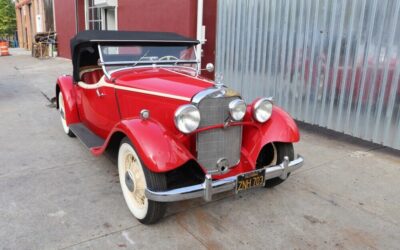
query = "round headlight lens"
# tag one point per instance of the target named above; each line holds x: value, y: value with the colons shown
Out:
x: 262, y: 110
x: 237, y: 109
x: 187, y: 118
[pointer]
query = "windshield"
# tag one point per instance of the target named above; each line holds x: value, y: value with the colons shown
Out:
x: 117, y: 57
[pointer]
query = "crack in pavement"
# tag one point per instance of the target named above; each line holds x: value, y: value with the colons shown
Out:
x: 98, y: 237
x: 52, y: 100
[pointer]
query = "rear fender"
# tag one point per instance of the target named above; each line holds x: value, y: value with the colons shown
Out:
x: 159, y: 149
x: 65, y: 84
x: 279, y: 128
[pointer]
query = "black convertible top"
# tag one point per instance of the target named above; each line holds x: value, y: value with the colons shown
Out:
x: 100, y: 36
x: 84, y: 45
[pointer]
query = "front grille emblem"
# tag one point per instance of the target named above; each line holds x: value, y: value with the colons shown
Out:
x: 222, y: 165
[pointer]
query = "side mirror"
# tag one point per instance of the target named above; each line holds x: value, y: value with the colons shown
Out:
x: 210, y: 67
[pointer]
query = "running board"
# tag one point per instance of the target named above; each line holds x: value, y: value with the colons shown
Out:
x: 87, y: 137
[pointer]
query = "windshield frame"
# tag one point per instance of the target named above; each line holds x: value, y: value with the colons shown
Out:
x: 138, y: 63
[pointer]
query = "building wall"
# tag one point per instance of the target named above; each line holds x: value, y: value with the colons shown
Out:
x: 143, y: 15
x: 65, y: 25
x: 18, y: 18
x: 81, y: 15
x: 154, y: 15
x: 26, y: 13
x: 146, y: 15
x: 210, y: 21
x: 26, y: 23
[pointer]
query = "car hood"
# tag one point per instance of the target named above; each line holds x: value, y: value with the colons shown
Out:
x: 162, y: 81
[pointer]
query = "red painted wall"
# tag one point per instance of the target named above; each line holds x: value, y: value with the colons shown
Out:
x: 81, y: 14
x: 65, y: 25
x: 210, y: 21
x: 177, y: 16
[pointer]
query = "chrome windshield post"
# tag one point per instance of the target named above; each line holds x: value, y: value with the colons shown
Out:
x: 198, y: 62
x: 103, y: 66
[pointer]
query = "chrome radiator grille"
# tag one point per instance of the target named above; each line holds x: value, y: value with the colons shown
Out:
x: 216, y: 144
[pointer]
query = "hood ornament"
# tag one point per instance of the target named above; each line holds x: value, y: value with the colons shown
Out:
x: 218, y: 80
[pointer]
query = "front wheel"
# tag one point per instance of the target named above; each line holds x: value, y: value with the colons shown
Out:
x: 134, y: 179
x: 273, y: 154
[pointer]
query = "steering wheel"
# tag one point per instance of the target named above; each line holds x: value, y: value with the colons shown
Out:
x: 168, y: 58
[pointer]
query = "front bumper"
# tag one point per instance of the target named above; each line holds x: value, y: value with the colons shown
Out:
x: 210, y: 187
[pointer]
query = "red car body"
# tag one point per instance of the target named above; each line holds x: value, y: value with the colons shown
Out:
x: 178, y: 135
x: 130, y: 91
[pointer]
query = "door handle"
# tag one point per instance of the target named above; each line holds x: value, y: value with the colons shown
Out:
x: 99, y: 94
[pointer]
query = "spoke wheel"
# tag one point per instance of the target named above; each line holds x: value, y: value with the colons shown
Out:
x: 61, y: 109
x: 134, y: 179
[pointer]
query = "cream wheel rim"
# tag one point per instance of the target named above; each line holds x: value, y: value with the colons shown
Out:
x: 133, y: 181
x: 61, y: 108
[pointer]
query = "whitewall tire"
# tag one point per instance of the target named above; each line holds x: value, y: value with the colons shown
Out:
x: 61, y: 109
x: 134, y: 179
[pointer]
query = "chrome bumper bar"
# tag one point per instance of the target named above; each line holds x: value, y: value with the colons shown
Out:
x: 210, y: 187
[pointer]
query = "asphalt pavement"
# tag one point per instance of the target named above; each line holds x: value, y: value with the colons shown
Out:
x: 56, y: 195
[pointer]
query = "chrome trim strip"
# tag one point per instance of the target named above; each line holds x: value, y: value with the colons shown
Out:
x: 102, y: 61
x: 155, y: 66
x: 103, y: 83
x: 117, y: 63
x: 204, y: 93
x: 216, y: 92
x: 209, y: 187
x: 198, y: 59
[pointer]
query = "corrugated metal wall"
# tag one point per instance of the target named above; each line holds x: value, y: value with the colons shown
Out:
x: 331, y: 63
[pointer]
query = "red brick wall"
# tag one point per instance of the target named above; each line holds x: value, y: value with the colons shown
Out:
x: 210, y: 21
x: 66, y: 23
x: 177, y: 16
x: 81, y: 14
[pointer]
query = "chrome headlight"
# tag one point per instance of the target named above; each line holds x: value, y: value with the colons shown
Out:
x: 187, y: 118
x: 237, y: 109
x: 262, y: 110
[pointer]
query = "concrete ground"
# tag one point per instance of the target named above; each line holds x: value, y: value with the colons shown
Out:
x: 56, y: 195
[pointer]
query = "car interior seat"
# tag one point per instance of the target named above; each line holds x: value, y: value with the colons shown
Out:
x: 91, y: 74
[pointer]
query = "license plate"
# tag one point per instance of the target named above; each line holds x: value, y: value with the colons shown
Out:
x: 250, y: 180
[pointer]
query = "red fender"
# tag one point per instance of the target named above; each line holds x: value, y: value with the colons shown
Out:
x: 65, y: 84
x: 159, y: 150
x: 279, y: 128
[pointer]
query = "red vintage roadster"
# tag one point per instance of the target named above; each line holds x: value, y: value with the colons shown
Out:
x: 175, y: 134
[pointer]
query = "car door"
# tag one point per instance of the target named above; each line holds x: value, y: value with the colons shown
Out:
x: 98, y: 108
